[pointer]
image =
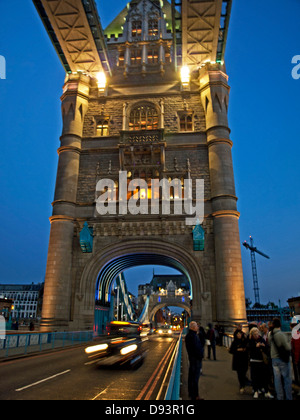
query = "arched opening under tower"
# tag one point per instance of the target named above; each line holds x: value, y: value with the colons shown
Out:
x: 127, y: 291
x: 102, y: 270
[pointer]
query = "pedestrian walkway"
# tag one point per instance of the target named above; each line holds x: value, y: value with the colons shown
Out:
x: 218, y: 381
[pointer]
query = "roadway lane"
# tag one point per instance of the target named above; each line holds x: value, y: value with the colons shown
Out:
x: 67, y: 375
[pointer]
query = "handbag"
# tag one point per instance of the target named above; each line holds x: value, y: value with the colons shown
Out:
x: 265, y: 357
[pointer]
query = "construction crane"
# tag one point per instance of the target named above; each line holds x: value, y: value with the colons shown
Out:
x: 254, y: 250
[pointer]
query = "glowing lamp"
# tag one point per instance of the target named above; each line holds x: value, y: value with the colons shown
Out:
x: 101, y: 80
x: 185, y: 76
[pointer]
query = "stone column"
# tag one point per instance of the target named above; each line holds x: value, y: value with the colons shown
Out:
x: 230, y: 294
x: 57, y: 291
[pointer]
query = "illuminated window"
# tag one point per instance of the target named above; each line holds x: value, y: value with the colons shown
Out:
x: 153, y: 56
x: 136, y: 30
x: 186, y: 122
x: 144, y: 117
x: 102, y: 128
x: 136, y: 57
x: 153, y: 28
x: 121, y: 58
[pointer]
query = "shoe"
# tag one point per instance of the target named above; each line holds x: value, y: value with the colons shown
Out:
x: 255, y: 396
x: 269, y: 395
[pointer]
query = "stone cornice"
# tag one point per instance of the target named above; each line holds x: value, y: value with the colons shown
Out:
x: 226, y: 213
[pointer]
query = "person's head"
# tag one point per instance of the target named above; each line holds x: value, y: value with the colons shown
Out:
x: 194, y: 326
x: 239, y: 335
x: 254, y: 334
x: 276, y: 323
x: 263, y: 328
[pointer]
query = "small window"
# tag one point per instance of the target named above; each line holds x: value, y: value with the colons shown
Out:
x: 102, y: 128
x: 153, y: 56
x: 136, y: 57
x: 121, y: 58
x: 186, y: 122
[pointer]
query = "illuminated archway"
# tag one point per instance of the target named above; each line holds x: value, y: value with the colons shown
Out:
x: 101, y: 270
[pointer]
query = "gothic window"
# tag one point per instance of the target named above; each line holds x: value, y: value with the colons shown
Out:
x: 153, y: 56
x: 121, y: 58
x: 136, y: 29
x: 143, y: 117
x: 185, y: 121
x: 102, y: 127
x: 153, y: 28
x: 136, y: 57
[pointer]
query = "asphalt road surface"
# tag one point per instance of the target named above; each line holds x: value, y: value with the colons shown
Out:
x: 68, y: 375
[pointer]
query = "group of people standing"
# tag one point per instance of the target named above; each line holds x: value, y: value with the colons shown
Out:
x: 267, y: 350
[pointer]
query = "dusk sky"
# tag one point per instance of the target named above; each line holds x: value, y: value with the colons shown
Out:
x: 264, y: 118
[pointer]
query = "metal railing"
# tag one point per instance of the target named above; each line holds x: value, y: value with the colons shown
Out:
x: 22, y: 344
x: 173, y: 390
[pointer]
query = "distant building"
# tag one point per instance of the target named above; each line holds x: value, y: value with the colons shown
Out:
x: 6, y: 306
x: 27, y: 299
x: 162, y: 289
x: 163, y: 282
x: 294, y: 304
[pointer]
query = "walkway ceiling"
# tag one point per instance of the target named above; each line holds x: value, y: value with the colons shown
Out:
x: 111, y: 270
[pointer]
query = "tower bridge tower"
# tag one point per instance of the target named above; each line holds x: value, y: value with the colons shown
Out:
x: 146, y: 97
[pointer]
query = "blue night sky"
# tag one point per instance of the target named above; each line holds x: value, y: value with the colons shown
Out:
x: 264, y: 117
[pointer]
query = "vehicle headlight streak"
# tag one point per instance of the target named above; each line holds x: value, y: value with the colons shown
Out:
x: 128, y: 349
x: 93, y: 349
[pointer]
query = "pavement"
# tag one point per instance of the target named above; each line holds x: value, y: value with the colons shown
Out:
x: 218, y: 381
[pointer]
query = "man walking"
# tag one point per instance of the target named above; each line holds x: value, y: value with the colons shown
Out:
x: 195, y: 353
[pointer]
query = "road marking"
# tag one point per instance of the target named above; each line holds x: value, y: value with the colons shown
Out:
x: 102, y: 392
x: 155, y: 373
x: 43, y: 380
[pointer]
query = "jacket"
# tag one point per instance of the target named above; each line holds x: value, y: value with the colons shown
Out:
x: 296, y: 351
x: 193, y: 346
x: 240, y: 354
x: 255, y: 353
x: 280, y: 341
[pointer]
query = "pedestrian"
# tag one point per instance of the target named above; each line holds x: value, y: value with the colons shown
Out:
x: 258, y: 354
x: 239, y: 328
x: 296, y: 350
x: 211, y: 342
x: 280, y: 355
x: 195, y: 354
x: 264, y: 331
x: 239, y: 352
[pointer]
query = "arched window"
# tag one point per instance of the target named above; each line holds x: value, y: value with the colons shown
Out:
x: 143, y: 117
x: 102, y: 127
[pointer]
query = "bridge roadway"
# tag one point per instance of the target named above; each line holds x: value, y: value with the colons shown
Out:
x: 67, y: 375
